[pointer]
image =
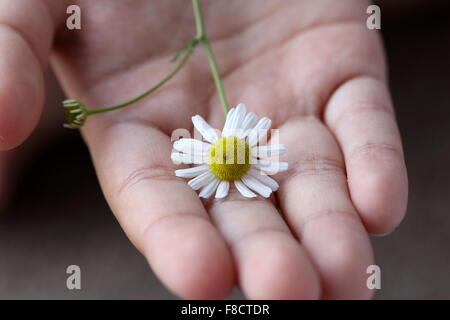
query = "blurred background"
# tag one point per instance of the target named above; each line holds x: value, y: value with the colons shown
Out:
x: 58, y: 217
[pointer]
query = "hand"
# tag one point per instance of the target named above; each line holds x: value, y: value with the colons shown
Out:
x: 311, y: 66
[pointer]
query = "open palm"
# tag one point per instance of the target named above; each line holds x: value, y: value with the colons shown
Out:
x: 312, y: 66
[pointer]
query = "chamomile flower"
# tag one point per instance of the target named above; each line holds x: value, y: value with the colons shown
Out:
x: 236, y: 156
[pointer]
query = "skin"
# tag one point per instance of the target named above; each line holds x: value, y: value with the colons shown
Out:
x: 312, y: 66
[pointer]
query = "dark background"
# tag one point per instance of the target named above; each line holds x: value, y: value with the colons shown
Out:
x: 58, y: 216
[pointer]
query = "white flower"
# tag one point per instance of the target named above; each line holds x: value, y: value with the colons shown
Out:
x: 238, y: 155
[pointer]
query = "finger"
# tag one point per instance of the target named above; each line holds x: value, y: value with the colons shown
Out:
x: 159, y: 212
x: 361, y: 116
x: 26, y: 32
x: 270, y: 262
x: 314, y: 198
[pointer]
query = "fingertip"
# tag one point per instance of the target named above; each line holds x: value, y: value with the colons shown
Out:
x: 379, y: 192
x: 342, y: 258
x: 277, y: 269
x: 21, y: 92
x: 345, y: 277
x: 15, y: 128
x: 192, y: 260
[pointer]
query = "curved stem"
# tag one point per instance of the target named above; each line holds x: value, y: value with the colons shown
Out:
x: 203, y: 39
x: 169, y: 76
x: 217, y: 79
x: 199, y: 22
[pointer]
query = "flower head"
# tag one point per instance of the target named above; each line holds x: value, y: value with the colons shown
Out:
x: 76, y: 114
x: 237, y: 156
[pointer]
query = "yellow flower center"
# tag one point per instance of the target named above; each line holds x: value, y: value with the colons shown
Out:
x: 229, y: 158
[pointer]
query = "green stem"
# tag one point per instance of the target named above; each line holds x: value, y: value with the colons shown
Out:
x: 169, y: 76
x: 199, y: 21
x: 203, y: 39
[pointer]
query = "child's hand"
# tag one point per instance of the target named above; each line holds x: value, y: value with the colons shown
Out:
x: 311, y: 66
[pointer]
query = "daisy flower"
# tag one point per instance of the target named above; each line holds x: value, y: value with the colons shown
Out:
x: 236, y: 155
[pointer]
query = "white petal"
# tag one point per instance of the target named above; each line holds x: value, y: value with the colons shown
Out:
x: 191, y: 146
x: 201, y: 180
x: 268, y: 150
x: 271, y: 167
x: 246, y: 192
x: 282, y: 166
x: 208, y: 132
x: 179, y: 158
x: 228, y: 121
x: 209, y: 189
x: 239, y: 116
x: 222, y: 189
x: 249, y: 121
x: 260, y: 131
x: 191, y: 172
x: 248, y: 124
x: 257, y: 186
x: 268, y: 181
x: 263, y: 124
x: 236, y: 120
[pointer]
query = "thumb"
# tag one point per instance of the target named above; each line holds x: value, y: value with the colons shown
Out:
x: 26, y: 34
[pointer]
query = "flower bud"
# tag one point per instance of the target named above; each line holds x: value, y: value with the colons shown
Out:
x: 76, y: 114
